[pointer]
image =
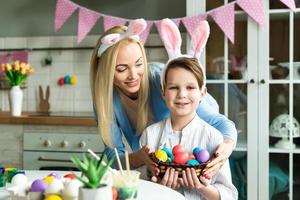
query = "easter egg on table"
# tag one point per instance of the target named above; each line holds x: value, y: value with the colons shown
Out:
x: 196, y: 150
x: 55, y: 175
x: 168, y: 151
x: 181, y: 158
x: 202, y: 156
x: 53, y: 197
x: 192, y: 162
x: 70, y: 176
x: 161, y: 155
x: 72, y: 188
x: 19, y: 180
x: 55, y: 187
x: 114, y: 193
x: 177, y: 149
x: 48, y: 179
x: 38, y: 186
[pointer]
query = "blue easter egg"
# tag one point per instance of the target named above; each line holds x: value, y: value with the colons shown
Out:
x: 169, y: 160
x: 168, y: 152
x: 196, y: 150
x: 67, y: 79
x: 192, y: 162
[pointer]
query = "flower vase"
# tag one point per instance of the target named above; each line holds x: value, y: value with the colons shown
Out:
x: 104, y: 192
x: 15, y: 100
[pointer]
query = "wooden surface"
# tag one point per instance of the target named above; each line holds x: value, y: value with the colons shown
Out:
x: 42, y: 119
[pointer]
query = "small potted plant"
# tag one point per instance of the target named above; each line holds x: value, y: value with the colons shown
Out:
x: 16, y: 73
x: 93, y: 171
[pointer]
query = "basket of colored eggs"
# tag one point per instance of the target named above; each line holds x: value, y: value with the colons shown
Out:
x: 179, y: 159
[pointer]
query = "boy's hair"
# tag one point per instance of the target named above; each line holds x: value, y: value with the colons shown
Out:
x: 190, y: 64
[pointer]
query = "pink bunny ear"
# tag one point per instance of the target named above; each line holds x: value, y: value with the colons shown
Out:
x: 137, y: 26
x: 199, y: 39
x: 110, y: 38
x: 171, y: 37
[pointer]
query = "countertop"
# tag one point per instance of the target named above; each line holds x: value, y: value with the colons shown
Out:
x: 51, y: 118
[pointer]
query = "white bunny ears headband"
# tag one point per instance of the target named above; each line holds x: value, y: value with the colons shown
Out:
x: 135, y: 28
x: 171, y: 38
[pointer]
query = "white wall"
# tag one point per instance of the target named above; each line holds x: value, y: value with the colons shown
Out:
x: 73, y: 62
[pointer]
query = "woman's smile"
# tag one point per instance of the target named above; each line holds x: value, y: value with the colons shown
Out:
x: 132, y: 83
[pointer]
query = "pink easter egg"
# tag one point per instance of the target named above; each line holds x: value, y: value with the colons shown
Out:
x: 202, y: 156
x: 181, y: 158
x: 177, y: 149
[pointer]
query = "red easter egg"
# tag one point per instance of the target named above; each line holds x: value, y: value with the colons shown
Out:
x: 114, y: 193
x: 181, y: 158
x: 61, y: 81
x: 70, y: 176
x: 177, y: 149
x: 191, y: 157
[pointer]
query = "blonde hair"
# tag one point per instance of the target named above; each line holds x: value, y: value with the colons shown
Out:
x: 101, y: 81
x: 190, y: 64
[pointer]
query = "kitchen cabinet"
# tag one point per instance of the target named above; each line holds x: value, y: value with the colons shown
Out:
x: 61, y: 130
x: 255, y: 80
x: 279, y: 103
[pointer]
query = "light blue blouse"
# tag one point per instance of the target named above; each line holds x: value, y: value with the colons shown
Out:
x: 208, y: 111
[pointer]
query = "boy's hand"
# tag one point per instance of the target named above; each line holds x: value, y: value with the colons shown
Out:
x: 170, y: 179
x: 190, y: 179
x: 222, y: 153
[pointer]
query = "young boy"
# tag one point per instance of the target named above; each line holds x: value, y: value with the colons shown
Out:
x: 183, y: 89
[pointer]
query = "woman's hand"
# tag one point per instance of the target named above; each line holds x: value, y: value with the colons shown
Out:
x: 141, y: 158
x: 151, y: 165
x: 170, y: 179
x: 222, y: 153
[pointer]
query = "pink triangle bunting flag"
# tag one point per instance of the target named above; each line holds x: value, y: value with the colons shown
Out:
x: 290, y: 4
x: 109, y: 21
x: 144, y: 35
x: 224, y: 18
x: 64, y: 9
x: 191, y: 23
x: 86, y: 21
x: 254, y: 8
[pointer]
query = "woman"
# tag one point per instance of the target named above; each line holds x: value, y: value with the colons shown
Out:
x: 127, y: 98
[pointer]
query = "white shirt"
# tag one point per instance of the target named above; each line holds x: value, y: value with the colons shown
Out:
x: 196, y: 134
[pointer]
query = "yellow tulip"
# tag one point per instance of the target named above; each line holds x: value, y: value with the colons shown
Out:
x: 8, y: 67
x: 3, y: 67
x: 23, y: 66
x: 16, y: 66
x: 17, y: 62
x: 23, y: 71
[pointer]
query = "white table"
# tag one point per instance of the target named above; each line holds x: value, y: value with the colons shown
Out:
x: 146, y: 190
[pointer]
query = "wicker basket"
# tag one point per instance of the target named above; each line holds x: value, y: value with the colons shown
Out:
x: 163, y: 166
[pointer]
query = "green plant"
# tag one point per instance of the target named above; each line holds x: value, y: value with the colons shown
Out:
x: 16, y: 72
x: 92, y: 169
